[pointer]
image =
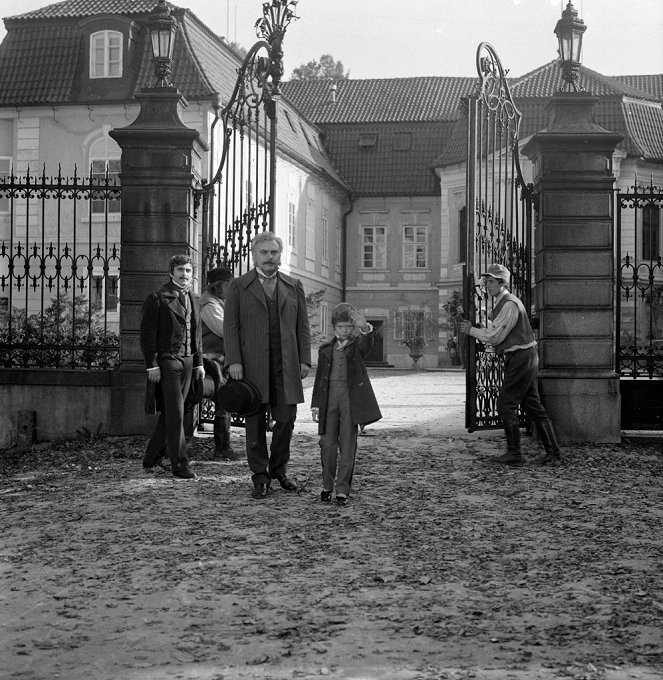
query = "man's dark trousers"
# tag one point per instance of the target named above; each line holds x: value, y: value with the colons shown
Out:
x: 519, y: 388
x: 175, y: 381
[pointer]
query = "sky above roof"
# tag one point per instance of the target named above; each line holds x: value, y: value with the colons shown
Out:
x: 403, y: 38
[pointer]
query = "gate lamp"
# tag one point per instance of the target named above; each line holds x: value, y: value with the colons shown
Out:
x: 162, y: 26
x: 569, y: 30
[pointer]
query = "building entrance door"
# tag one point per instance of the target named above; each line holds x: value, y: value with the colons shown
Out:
x: 376, y: 355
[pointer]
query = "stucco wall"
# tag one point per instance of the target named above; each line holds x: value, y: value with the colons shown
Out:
x: 64, y: 402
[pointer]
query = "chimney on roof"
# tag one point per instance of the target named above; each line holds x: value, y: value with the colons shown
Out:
x: 332, y: 92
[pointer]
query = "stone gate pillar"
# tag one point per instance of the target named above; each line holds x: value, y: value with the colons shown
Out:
x: 575, y: 270
x: 158, y: 153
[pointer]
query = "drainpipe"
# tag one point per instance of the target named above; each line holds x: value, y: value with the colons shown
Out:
x: 344, y: 241
x: 216, y: 105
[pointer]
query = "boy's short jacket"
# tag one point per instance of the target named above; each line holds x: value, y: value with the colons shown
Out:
x: 363, y: 404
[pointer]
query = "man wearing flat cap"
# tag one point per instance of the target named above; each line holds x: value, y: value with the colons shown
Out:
x: 268, y: 342
x: 511, y: 335
x: 212, y: 317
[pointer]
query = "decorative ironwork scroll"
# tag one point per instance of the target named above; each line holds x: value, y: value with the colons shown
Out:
x: 640, y: 282
x: 240, y: 199
x: 499, y: 222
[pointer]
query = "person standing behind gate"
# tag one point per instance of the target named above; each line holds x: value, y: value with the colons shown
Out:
x: 343, y: 398
x: 171, y: 342
x: 212, y: 303
x: 511, y: 335
x: 268, y: 342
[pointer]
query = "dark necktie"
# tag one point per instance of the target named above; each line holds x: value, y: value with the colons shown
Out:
x: 268, y: 284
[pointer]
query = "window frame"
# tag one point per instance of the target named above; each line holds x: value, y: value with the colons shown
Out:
x: 374, y: 246
x: 105, y: 150
x: 413, y: 247
x: 292, y: 224
x: 103, y: 68
x: 324, y: 237
x: 6, y: 201
x: 650, y: 247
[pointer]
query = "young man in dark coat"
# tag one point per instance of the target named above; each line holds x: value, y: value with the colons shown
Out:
x: 343, y: 398
x: 171, y: 342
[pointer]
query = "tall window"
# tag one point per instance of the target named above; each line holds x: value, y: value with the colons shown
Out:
x: 106, y: 55
x: 104, y: 157
x: 105, y: 297
x: 651, y: 232
x: 462, y: 234
x: 374, y: 247
x: 292, y: 224
x: 415, y: 247
x: 339, y: 246
x: 324, y: 314
x: 325, y: 238
x: 5, y: 171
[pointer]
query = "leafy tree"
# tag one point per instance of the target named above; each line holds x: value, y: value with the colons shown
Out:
x: 62, y: 336
x: 327, y: 68
x: 313, y: 301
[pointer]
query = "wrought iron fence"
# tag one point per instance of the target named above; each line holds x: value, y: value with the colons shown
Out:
x: 640, y: 282
x: 59, y: 270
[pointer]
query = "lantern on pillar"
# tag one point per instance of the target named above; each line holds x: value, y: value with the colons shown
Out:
x: 569, y: 30
x: 162, y: 26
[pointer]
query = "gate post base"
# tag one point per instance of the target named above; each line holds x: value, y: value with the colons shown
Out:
x: 583, y: 408
x: 128, y: 415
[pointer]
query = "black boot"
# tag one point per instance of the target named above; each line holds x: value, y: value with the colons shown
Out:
x: 546, y: 432
x: 513, y: 455
x: 222, y: 448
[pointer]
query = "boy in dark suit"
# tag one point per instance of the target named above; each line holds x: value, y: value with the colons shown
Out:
x: 343, y: 398
x: 170, y: 339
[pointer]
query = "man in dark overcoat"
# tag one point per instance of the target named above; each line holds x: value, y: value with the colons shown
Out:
x: 268, y: 342
x: 171, y: 342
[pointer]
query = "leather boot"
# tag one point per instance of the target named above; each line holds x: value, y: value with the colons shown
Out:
x: 552, y: 455
x: 222, y: 448
x: 513, y: 455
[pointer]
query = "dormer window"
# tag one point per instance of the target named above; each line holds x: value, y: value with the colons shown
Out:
x: 106, y: 54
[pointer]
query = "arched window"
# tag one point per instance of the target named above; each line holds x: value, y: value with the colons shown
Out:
x: 104, y: 157
x: 106, y: 54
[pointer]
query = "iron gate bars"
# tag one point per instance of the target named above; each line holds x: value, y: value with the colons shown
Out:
x: 499, y: 223
x: 639, y: 307
x: 240, y: 199
x: 59, y: 270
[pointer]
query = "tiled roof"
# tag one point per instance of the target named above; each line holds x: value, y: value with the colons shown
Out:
x: 422, y: 109
x: 381, y: 170
x: 546, y: 80
x: 49, y: 54
x: 647, y: 83
x: 86, y: 8
x: 384, y: 100
x: 41, y: 54
x: 644, y: 127
x: 623, y: 108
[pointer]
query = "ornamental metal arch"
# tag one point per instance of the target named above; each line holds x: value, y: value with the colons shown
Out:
x: 500, y: 207
x: 239, y: 201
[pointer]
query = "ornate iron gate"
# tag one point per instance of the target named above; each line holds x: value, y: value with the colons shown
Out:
x: 640, y: 306
x: 499, y: 224
x: 240, y: 199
